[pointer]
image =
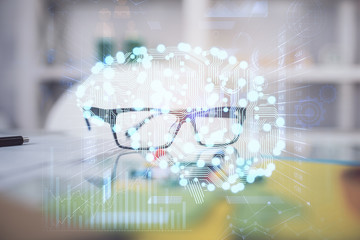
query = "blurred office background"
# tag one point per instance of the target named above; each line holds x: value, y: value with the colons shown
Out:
x: 47, y: 46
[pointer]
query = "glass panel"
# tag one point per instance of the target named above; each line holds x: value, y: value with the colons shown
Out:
x: 218, y: 126
x: 144, y: 129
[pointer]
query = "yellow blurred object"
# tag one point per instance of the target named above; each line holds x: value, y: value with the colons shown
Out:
x: 213, y: 226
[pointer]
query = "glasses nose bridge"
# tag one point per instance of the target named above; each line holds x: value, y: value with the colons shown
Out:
x: 183, y: 118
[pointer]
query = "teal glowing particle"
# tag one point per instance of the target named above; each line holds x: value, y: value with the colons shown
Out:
x: 241, y: 82
x: 280, y: 122
x: 267, y: 127
x: 240, y: 161
x: 259, y: 80
x: 198, y: 50
x: 175, y: 169
x: 200, y: 163
x: 214, y: 51
x: 243, y: 102
x: 161, y: 48
x: 226, y: 186
x: 183, y: 182
x: 149, y: 157
x: 215, y: 161
x: 232, y: 60
x: 87, y: 114
x: 222, y: 55
x: 120, y: 57
x: 236, y: 128
x: 131, y: 131
x: 109, y: 60
x: 184, y: 47
x: 243, y: 65
x: 277, y: 151
x: 210, y: 187
x: 252, y: 96
x: 271, y: 100
x: 250, y: 178
x: 135, y: 145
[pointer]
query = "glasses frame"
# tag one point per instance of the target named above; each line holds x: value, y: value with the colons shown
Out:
x: 109, y: 116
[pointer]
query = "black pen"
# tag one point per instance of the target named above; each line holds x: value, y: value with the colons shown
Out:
x: 13, y: 141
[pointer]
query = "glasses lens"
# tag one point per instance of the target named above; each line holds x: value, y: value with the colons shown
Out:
x: 218, y: 126
x: 145, y: 129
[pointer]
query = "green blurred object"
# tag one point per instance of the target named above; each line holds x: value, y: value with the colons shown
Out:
x: 105, y: 47
x: 130, y: 44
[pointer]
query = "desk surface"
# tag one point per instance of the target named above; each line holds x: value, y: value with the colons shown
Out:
x: 300, y: 200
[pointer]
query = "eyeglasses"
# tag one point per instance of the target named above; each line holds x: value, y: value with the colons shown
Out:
x: 154, y: 128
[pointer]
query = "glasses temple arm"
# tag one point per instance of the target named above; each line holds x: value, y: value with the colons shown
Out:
x: 88, y: 124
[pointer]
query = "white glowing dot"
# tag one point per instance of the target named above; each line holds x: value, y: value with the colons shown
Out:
x: 243, y: 65
x: 241, y: 82
x: 161, y: 48
x: 229, y: 150
x: 236, y: 128
x: 254, y: 145
x: 138, y: 104
x: 197, y: 50
x: 120, y: 57
x: 232, y: 178
x: 215, y: 161
x: 281, y: 144
x: 210, y: 187
x: 280, y: 122
x: 80, y: 91
x: 232, y: 60
x: 135, y: 145
x: 226, y: 186
x: 184, y: 47
x: 222, y: 55
x: 209, y: 87
x: 214, y: 51
x: 109, y: 60
x: 163, y: 164
x: 183, y: 182
x: 175, y: 169
x: 253, y: 96
x: 267, y: 127
x: 271, y: 166
x: 149, y: 157
x: 276, y: 151
x: 237, y: 188
x: 271, y: 100
x: 259, y: 80
x: 240, y: 161
x: 243, y: 102
x: 200, y: 163
x: 250, y: 178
